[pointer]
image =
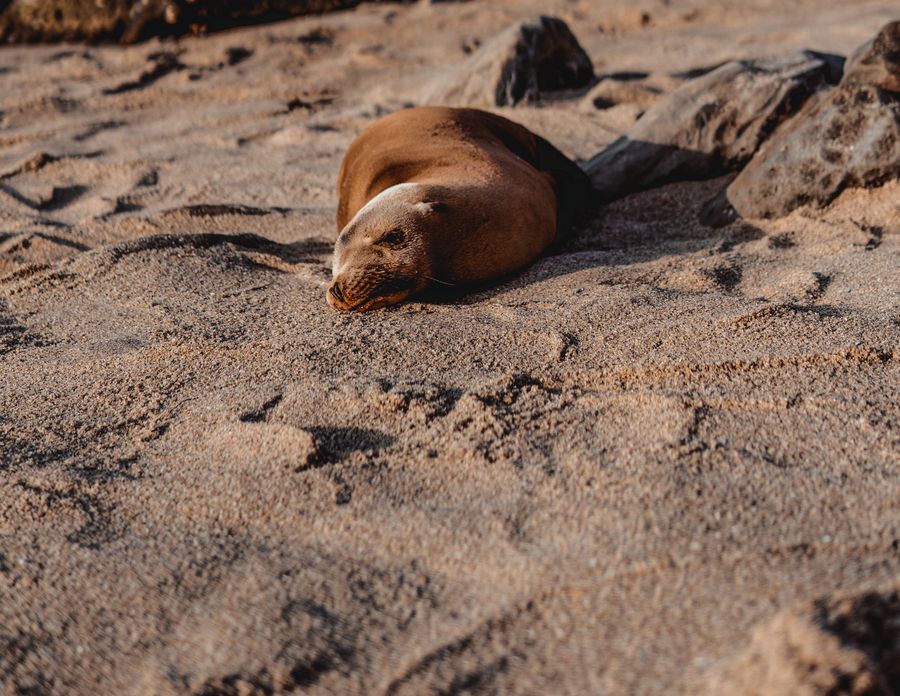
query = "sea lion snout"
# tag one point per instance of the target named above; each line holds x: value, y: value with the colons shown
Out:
x: 339, y: 298
x: 370, y: 289
x: 335, y: 294
x: 365, y: 276
x: 382, y: 255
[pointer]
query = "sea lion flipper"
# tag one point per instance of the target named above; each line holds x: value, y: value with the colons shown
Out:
x: 575, y: 195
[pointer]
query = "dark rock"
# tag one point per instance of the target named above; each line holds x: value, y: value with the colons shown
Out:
x: 64, y: 20
x: 530, y: 58
x: 135, y: 20
x: 710, y: 125
x: 877, y: 61
x: 849, y: 138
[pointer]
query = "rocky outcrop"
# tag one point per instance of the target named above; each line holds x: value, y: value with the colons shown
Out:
x: 711, y: 124
x: 67, y: 20
x: 533, y: 57
x: 849, y: 138
x: 133, y: 20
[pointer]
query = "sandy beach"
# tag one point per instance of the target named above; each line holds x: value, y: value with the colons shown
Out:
x: 663, y: 460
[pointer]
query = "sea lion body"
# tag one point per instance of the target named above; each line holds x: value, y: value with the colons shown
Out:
x: 449, y: 196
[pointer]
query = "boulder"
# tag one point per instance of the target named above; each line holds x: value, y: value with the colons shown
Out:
x: 532, y: 57
x: 711, y: 124
x: 849, y: 138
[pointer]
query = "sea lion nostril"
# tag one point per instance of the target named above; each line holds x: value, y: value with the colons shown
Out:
x: 335, y: 290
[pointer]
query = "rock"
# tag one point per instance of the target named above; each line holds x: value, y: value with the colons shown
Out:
x: 849, y: 138
x: 711, y: 124
x: 62, y: 20
x: 877, y: 61
x: 133, y: 20
x: 528, y: 59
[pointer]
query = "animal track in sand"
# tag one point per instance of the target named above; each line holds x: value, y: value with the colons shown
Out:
x: 12, y: 333
x: 474, y: 661
x: 310, y: 40
x: 845, y: 643
x: 237, y: 54
x: 161, y: 64
x: 261, y: 414
x: 268, y: 445
x: 311, y: 101
x: 423, y: 403
x: 321, y: 626
x: 96, y: 128
x: 249, y: 250
x: 71, y: 53
x: 782, y: 241
x: 631, y: 378
x: 234, y: 55
x: 99, y: 525
x: 493, y: 421
x: 17, y: 250
x: 726, y: 275
x: 336, y: 443
x: 780, y: 310
x: 73, y: 193
x: 327, y: 444
x: 60, y: 197
x: 37, y: 161
x: 192, y: 241
x: 876, y: 232
x: 560, y: 344
x: 786, y: 285
x: 822, y: 281
x: 219, y: 209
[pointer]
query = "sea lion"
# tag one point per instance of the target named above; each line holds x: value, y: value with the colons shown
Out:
x: 448, y: 196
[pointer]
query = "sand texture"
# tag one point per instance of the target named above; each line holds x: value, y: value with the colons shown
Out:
x: 665, y: 460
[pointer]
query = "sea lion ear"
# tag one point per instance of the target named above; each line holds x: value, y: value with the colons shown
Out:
x: 429, y: 207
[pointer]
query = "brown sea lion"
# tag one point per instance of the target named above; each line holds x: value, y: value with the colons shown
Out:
x: 448, y: 196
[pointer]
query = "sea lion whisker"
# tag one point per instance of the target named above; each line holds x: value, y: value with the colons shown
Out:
x: 442, y: 282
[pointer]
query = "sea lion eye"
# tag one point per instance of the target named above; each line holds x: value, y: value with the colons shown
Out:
x: 393, y: 238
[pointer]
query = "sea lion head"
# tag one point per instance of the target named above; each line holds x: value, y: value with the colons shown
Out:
x: 383, y: 254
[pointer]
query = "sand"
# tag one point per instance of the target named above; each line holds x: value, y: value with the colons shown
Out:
x: 640, y: 467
